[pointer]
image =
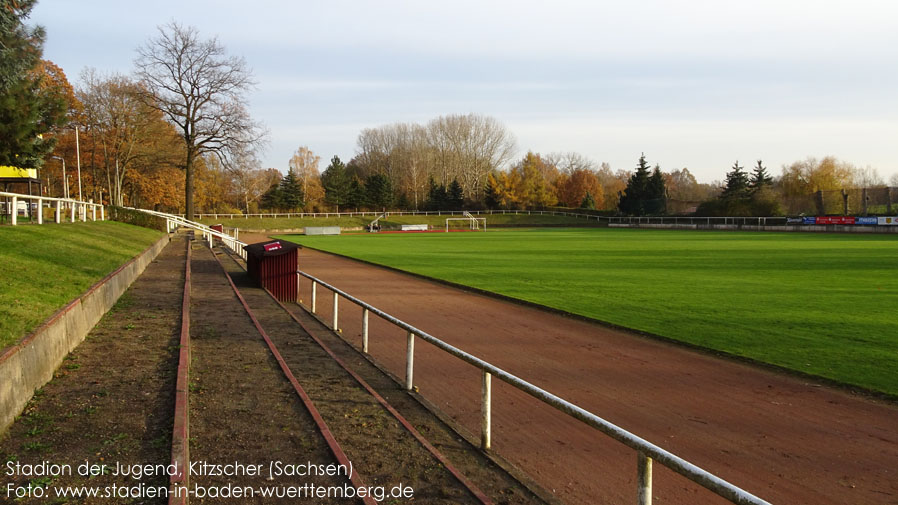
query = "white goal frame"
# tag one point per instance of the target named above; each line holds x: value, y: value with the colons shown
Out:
x: 475, y: 222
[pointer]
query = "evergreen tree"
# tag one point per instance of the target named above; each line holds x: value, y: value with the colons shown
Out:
x: 20, y: 46
x: 736, y: 184
x: 588, y: 202
x: 273, y: 199
x: 656, y: 196
x: 760, y: 177
x: 336, y: 183
x: 436, y: 195
x: 292, y: 196
x: 455, y: 196
x: 379, y: 191
x: 633, y: 200
x: 403, y: 202
x: 31, y: 104
x: 491, y: 194
x: 356, y: 197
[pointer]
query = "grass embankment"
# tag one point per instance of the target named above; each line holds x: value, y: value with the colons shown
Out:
x: 822, y: 304
x: 43, y: 267
x: 439, y: 222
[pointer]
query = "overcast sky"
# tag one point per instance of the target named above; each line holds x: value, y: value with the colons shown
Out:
x: 695, y: 84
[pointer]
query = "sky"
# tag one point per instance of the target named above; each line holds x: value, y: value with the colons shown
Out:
x: 696, y: 84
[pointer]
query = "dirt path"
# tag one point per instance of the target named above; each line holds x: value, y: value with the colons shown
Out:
x: 242, y: 408
x: 782, y: 438
x: 381, y: 448
x: 111, y: 400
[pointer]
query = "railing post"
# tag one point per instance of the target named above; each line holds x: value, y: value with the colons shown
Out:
x: 58, y: 211
x: 365, y: 330
x: 336, y: 310
x: 93, y: 212
x: 73, y: 211
x: 410, y: 362
x: 643, y: 479
x: 102, y: 213
x: 485, y: 414
x: 314, y: 286
x: 40, y: 211
x: 14, y: 211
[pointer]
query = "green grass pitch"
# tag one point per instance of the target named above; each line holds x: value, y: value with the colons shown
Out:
x: 824, y: 304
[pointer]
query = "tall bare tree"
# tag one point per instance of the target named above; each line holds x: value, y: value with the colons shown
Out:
x: 202, y: 91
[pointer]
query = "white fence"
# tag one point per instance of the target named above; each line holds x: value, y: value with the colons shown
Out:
x: 36, y: 203
x: 172, y: 222
x: 646, y: 452
x: 400, y: 213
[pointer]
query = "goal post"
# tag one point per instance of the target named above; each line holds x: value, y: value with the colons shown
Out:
x: 473, y: 223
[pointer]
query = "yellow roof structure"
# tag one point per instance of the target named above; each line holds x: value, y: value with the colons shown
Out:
x: 16, y: 172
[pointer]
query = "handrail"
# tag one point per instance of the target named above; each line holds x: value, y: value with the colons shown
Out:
x: 75, y: 204
x: 172, y: 222
x: 646, y: 450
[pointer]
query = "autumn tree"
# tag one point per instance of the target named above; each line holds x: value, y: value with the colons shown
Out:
x: 574, y: 185
x: 126, y: 128
x: 536, y: 176
x: 506, y: 187
x: 304, y: 164
x: 613, y: 184
x: 202, y: 91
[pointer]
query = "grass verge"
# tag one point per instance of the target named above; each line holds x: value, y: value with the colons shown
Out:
x: 821, y: 304
x: 44, y: 267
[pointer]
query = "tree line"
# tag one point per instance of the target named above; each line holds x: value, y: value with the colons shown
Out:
x: 154, y: 138
x: 175, y: 135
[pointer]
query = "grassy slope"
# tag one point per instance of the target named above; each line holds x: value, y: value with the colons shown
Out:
x: 821, y: 304
x: 43, y: 267
x: 285, y: 223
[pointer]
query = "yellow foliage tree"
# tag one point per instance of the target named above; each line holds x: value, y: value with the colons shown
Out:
x: 304, y: 164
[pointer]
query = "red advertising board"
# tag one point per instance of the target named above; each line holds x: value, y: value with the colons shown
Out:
x: 835, y: 219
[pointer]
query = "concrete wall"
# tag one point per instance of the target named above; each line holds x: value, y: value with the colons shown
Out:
x: 30, y: 364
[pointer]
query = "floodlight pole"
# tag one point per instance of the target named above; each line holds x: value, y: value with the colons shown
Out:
x: 78, y: 158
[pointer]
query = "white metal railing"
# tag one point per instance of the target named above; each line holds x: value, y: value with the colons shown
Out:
x: 80, y: 206
x: 398, y: 213
x: 646, y: 451
x: 172, y: 222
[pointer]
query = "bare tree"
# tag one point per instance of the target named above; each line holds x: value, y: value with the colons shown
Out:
x: 202, y: 92
x: 570, y: 162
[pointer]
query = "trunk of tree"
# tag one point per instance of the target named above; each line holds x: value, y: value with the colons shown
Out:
x: 188, y: 185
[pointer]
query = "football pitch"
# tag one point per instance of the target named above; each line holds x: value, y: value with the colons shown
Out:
x: 823, y: 304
